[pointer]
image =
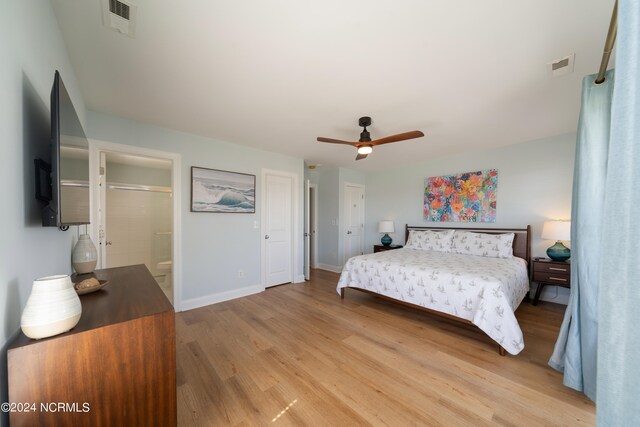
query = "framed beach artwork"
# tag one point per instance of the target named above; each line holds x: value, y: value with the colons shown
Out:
x: 463, y: 197
x: 215, y: 190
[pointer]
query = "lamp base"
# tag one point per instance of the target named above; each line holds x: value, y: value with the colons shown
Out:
x: 386, y: 240
x: 559, y: 252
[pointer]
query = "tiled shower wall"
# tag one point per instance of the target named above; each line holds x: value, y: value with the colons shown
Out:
x: 139, y: 229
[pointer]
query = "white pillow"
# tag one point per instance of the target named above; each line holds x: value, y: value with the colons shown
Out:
x: 483, y: 244
x: 429, y: 240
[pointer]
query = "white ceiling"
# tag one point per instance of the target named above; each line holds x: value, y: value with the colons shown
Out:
x: 276, y: 74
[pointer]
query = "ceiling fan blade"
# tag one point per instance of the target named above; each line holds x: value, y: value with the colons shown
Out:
x: 361, y: 156
x: 334, y: 141
x: 398, y: 137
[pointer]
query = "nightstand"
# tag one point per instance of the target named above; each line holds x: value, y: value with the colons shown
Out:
x: 548, y: 272
x: 382, y: 248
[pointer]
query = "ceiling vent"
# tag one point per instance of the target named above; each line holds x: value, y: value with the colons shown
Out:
x: 120, y: 16
x: 562, y: 66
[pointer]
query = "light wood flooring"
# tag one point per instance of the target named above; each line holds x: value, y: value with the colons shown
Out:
x: 298, y: 355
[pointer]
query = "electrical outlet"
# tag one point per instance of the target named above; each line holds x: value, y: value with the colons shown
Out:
x: 240, y: 274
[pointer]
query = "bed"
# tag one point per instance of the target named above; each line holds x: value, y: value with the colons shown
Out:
x: 473, y: 289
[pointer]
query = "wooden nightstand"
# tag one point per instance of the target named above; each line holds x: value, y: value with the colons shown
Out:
x: 381, y: 248
x: 548, y: 272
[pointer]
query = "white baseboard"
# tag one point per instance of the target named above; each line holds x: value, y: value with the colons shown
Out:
x: 190, y: 304
x: 299, y: 279
x: 333, y: 268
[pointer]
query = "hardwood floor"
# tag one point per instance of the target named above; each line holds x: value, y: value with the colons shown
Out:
x: 298, y: 355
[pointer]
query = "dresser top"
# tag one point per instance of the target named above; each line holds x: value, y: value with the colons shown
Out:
x: 131, y: 293
x: 550, y: 261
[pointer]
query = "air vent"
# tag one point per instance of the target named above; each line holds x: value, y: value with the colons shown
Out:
x: 562, y: 66
x: 120, y: 16
x: 118, y: 8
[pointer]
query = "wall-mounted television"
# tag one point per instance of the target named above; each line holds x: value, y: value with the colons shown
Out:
x: 62, y: 181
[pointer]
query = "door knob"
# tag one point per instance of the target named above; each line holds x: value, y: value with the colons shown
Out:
x: 108, y: 243
x: 266, y: 236
x: 349, y: 232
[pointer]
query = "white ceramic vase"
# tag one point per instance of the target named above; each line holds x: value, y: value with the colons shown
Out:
x: 52, y: 308
x: 84, y: 256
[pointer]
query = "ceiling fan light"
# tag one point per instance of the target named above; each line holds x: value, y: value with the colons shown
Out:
x: 365, y: 149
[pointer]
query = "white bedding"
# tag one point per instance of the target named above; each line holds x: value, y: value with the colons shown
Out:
x: 485, y: 291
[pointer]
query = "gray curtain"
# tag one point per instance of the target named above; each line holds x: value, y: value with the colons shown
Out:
x: 576, y: 349
x: 618, y: 402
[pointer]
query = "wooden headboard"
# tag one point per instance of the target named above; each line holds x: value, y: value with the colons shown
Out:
x: 521, y: 241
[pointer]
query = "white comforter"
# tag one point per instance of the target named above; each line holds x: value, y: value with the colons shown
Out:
x: 485, y: 291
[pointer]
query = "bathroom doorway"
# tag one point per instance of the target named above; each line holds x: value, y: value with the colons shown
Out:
x: 136, y: 214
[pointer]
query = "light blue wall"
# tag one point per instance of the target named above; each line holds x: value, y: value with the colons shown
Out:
x: 215, y: 245
x: 352, y: 176
x: 311, y: 175
x: 534, y: 184
x: 31, y: 49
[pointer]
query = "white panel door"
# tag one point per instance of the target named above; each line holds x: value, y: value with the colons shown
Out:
x: 278, y: 227
x: 353, y: 221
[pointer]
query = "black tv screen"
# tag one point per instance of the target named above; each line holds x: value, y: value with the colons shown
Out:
x: 69, y: 163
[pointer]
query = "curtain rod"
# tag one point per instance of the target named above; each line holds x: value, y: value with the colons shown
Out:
x: 608, y: 45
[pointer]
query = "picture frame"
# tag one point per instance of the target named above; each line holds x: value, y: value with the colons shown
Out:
x: 461, y: 197
x: 220, y: 191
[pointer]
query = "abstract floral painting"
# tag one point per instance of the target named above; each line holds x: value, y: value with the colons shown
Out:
x: 464, y: 197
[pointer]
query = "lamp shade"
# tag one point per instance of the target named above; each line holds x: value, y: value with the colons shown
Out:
x: 556, y: 230
x: 386, y: 227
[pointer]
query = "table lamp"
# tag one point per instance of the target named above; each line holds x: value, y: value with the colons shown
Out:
x: 557, y: 230
x: 386, y: 227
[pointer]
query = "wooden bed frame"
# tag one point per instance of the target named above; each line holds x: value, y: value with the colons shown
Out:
x: 521, y: 249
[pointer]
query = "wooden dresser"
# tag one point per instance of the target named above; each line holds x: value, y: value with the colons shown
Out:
x: 117, y: 367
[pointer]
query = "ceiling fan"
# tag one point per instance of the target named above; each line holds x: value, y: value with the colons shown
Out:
x: 365, y: 144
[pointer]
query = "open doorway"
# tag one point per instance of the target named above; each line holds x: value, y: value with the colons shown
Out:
x: 310, y: 217
x: 313, y: 220
x: 135, y: 216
